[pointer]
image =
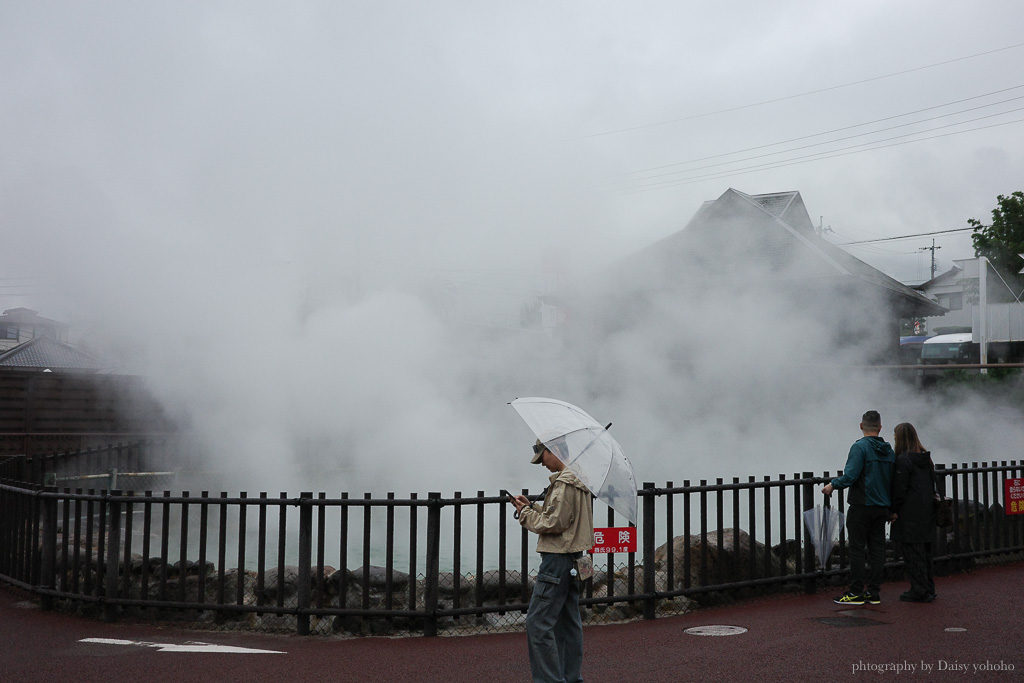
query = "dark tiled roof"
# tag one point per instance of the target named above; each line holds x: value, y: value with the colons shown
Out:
x: 43, y: 353
x: 738, y: 235
x: 775, y: 204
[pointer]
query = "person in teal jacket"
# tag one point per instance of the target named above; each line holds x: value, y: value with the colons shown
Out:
x: 868, y: 476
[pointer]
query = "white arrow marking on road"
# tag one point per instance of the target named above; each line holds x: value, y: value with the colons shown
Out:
x: 191, y: 646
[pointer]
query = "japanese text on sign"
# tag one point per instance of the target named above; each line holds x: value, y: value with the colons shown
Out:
x: 1015, y: 496
x: 614, y: 540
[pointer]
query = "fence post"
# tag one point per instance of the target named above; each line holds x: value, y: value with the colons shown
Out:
x: 942, y: 544
x: 48, y: 561
x: 650, y: 603
x: 305, y: 558
x: 808, y: 495
x: 112, y: 576
x: 430, y: 588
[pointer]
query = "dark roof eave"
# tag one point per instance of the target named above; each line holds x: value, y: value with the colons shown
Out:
x: 908, y: 307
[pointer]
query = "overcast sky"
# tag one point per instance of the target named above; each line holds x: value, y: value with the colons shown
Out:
x: 206, y: 174
x: 419, y: 139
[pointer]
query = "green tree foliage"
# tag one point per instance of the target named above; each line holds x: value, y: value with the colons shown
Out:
x: 1002, y: 242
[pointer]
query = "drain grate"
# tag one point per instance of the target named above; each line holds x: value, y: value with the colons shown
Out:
x: 848, y: 622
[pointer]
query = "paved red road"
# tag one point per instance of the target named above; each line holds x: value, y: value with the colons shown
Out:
x: 789, y: 638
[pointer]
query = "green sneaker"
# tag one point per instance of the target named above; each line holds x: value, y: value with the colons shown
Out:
x: 849, y: 598
x: 873, y: 599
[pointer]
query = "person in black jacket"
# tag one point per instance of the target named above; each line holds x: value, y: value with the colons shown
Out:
x: 913, y: 512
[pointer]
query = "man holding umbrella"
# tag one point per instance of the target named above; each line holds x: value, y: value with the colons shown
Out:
x: 584, y: 460
x: 564, y: 524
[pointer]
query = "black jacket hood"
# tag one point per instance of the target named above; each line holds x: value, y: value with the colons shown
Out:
x: 921, y: 459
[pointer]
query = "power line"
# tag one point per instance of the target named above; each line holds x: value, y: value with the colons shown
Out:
x: 837, y: 130
x: 840, y: 149
x: 881, y: 251
x: 804, y: 94
x: 808, y: 158
x: 858, y: 135
x: 868, y: 247
x: 903, y: 237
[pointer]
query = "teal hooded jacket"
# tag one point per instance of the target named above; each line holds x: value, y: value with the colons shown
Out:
x: 868, y: 472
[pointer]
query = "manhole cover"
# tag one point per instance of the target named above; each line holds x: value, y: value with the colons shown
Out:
x: 715, y: 630
x: 955, y: 629
x: 847, y: 622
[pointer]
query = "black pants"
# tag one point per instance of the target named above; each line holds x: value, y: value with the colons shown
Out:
x: 865, y: 526
x: 917, y: 560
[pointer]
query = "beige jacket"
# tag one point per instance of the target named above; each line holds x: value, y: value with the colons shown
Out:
x: 565, y: 523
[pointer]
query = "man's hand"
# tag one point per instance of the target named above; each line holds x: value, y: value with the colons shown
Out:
x: 827, y: 489
x: 519, y: 502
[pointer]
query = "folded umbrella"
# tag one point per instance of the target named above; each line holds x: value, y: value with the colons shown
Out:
x: 823, y: 524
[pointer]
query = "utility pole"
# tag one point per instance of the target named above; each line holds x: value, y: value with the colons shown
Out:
x: 821, y: 229
x: 983, y: 317
x: 931, y: 249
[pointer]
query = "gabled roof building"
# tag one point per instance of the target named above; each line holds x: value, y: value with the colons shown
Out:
x: 18, y: 325
x: 959, y: 291
x: 44, y: 354
x: 766, y: 245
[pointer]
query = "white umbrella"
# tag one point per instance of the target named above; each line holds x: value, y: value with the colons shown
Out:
x: 586, y: 448
x: 823, y: 526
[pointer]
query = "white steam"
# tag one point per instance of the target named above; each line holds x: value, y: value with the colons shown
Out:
x: 312, y: 227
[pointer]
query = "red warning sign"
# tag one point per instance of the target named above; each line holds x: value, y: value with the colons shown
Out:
x: 614, y: 540
x: 1014, y: 496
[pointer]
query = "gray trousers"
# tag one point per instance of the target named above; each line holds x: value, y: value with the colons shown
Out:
x: 553, y: 625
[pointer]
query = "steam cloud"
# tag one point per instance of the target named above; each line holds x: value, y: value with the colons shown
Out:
x: 317, y: 251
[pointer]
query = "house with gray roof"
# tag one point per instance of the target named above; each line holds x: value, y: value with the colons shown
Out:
x: 948, y: 290
x: 959, y: 291
x: 766, y: 245
x: 18, y: 325
x: 45, y: 354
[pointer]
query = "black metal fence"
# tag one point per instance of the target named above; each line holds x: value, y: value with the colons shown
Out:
x: 34, y: 467
x: 365, y: 565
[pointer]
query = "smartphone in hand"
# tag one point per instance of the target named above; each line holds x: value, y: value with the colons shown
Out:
x: 515, y: 501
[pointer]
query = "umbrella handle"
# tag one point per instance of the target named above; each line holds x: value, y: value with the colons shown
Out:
x: 515, y: 515
x: 519, y: 512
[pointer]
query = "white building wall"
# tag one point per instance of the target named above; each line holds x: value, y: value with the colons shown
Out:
x: 1005, y: 321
